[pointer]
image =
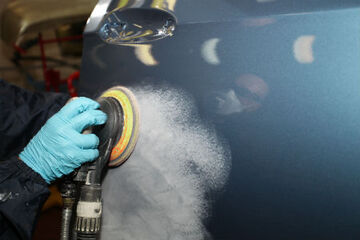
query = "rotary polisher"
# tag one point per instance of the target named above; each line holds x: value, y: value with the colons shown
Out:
x: 118, y: 137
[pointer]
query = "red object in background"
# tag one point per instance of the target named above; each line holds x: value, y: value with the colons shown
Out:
x: 52, y: 79
x: 51, y: 76
x: 70, y: 79
x: 19, y: 49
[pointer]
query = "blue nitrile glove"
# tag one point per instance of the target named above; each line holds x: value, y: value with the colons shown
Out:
x: 59, y: 147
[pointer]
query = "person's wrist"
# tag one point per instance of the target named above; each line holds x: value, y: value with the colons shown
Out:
x: 30, y: 162
x: 29, y: 172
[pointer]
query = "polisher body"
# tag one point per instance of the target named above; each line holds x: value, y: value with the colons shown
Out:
x: 118, y: 137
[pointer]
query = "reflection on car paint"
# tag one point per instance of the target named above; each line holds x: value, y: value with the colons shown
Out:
x: 136, y: 25
x: 303, y: 49
x: 208, y: 51
x: 143, y: 53
x: 167, y: 4
x: 246, y: 96
x: 258, y: 22
x: 138, y: 21
x: 161, y: 4
x: 96, y: 59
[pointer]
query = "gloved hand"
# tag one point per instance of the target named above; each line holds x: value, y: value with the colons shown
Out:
x: 59, y: 147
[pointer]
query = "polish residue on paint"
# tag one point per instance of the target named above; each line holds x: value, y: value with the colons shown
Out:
x: 159, y: 193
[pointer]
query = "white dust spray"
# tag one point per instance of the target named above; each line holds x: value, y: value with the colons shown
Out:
x: 159, y: 193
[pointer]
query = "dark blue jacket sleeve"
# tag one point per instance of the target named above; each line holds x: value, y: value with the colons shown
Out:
x: 22, y: 114
x: 22, y: 191
x: 22, y: 194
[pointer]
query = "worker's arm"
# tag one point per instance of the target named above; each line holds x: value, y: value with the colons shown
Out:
x: 22, y: 194
x: 22, y: 190
x: 22, y: 114
x: 57, y: 149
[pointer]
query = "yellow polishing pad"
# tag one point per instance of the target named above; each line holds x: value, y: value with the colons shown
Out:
x: 130, y: 132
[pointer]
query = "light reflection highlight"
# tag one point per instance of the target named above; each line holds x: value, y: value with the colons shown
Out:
x: 258, y: 22
x: 209, y: 51
x: 303, y: 49
x: 143, y: 53
x: 164, y: 4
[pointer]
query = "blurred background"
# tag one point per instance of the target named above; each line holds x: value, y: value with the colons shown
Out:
x: 27, y: 27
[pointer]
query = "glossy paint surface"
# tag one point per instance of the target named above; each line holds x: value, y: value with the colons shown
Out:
x: 280, y: 80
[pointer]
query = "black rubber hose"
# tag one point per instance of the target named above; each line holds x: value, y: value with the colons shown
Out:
x: 68, y: 193
x: 65, y: 224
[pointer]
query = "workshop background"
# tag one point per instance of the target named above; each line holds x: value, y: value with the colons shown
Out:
x: 61, y: 27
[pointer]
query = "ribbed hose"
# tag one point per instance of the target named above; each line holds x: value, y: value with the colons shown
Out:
x: 65, y: 224
x: 68, y: 193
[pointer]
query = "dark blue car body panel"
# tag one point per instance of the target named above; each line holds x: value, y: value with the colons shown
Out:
x: 295, y: 143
